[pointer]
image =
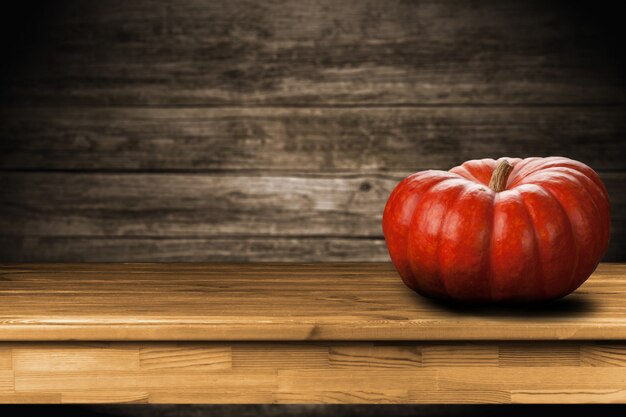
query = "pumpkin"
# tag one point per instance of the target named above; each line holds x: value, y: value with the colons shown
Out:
x: 498, y: 231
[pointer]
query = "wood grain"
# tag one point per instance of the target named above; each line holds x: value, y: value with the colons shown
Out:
x: 298, y: 118
x: 128, y: 396
x: 542, y: 355
x: 603, y: 354
x: 286, y: 302
x: 197, y: 205
x: 29, y: 398
x: 253, y: 356
x: 531, y: 378
x: 202, y: 205
x: 233, y: 249
x: 168, y: 357
x: 467, y: 355
x: 70, y: 358
x: 368, y: 373
x: 347, y: 207
x: 304, y: 139
x: 286, y: 333
x: 589, y: 396
x: 240, y: 52
x: 368, y: 355
x: 6, y: 359
x: 6, y: 381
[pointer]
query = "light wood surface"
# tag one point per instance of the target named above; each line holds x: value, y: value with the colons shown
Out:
x: 296, y: 333
x: 279, y: 302
x: 322, y: 372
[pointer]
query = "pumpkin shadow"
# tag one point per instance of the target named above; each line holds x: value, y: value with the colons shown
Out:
x: 571, y: 306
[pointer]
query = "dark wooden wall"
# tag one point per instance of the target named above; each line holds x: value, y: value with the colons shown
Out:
x: 216, y: 130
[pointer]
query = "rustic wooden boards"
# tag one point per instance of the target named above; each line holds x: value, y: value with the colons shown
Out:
x: 195, y: 130
x: 365, y: 372
x: 188, y: 249
x: 195, y: 52
x: 278, y: 302
x: 41, y: 212
x: 313, y: 139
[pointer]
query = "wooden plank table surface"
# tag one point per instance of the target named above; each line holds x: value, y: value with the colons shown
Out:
x: 296, y: 333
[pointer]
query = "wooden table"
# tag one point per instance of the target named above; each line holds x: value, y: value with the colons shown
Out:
x: 295, y: 333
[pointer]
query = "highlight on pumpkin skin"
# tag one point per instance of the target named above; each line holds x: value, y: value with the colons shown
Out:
x: 498, y: 231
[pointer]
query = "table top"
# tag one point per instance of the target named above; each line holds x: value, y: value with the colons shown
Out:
x: 279, y: 302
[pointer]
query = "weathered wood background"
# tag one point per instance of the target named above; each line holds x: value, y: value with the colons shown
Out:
x: 197, y: 130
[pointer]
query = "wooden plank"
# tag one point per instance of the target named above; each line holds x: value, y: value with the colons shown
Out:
x: 196, y: 205
x: 588, y: 396
x: 29, y: 398
x: 389, y: 396
x: 198, y: 396
x: 362, y: 381
x: 173, y: 356
x: 367, y: 356
x: 603, y: 354
x: 284, y: 302
x: 69, y: 358
x: 539, y: 354
x: 239, y: 249
x: 364, y: 375
x: 104, y: 397
x: 203, y: 205
x: 6, y: 382
x: 466, y: 396
x: 6, y: 359
x: 286, y: 356
x: 303, y: 139
x: 200, y: 52
x: 128, y: 380
x: 337, y: 396
x: 460, y: 355
x: 561, y: 379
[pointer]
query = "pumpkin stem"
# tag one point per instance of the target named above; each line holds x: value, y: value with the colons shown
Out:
x: 500, y: 175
